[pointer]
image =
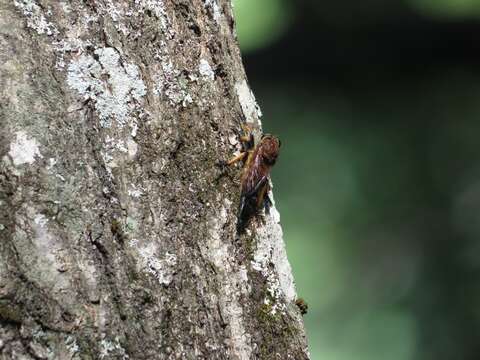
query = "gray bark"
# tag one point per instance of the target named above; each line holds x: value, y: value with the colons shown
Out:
x: 117, y: 229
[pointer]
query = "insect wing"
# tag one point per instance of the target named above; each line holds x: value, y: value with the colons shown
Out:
x: 250, y: 201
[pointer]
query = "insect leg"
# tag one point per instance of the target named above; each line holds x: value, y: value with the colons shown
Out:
x: 247, y: 139
x: 250, y: 144
x: 247, y: 129
x: 236, y: 158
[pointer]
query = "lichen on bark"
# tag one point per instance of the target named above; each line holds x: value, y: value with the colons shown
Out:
x: 117, y: 227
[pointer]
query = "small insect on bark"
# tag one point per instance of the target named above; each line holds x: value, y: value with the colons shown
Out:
x: 258, y: 160
x: 302, y: 305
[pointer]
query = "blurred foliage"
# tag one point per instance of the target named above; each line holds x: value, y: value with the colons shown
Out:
x: 377, y: 105
x: 265, y: 21
x: 361, y: 216
x: 324, y: 211
x: 448, y: 8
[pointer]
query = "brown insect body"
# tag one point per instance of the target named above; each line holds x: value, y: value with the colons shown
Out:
x: 302, y: 305
x: 255, y: 184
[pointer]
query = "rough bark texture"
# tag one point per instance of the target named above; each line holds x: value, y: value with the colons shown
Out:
x: 117, y: 229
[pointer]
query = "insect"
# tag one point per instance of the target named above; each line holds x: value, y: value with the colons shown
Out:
x: 258, y: 161
x: 302, y: 305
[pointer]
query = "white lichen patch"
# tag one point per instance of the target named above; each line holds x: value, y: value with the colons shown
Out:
x: 51, y: 163
x: 24, y: 149
x: 233, y: 139
x: 71, y: 345
x: 46, y: 243
x: 65, y: 7
x: 275, y: 296
x: 41, y: 251
x: 112, y: 349
x: 249, y: 105
x: 72, y: 44
x: 35, y: 15
x: 205, y: 70
x: 120, y: 14
x: 162, y: 268
x: 171, y: 83
x: 132, y: 148
x: 135, y: 191
x: 117, y: 13
x: 131, y: 224
x: 114, y: 148
x: 232, y: 278
x: 114, y: 86
x: 213, y: 5
x: 133, y: 242
x: 41, y: 220
x: 270, y: 249
x: 155, y: 6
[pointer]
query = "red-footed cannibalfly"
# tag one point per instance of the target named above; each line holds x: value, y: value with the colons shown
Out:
x: 258, y: 161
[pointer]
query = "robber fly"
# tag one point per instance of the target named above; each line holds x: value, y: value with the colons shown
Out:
x: 258, y: 161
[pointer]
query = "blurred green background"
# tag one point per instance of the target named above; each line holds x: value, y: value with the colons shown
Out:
x: 377, y: 104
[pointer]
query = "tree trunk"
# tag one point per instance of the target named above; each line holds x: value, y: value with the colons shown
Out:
x: 117, y: 229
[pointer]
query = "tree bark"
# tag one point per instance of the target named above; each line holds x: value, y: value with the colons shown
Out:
x: 117, y: 229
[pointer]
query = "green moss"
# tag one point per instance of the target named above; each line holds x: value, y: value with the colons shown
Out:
x: 265, y: 314
x: 277, y: 329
